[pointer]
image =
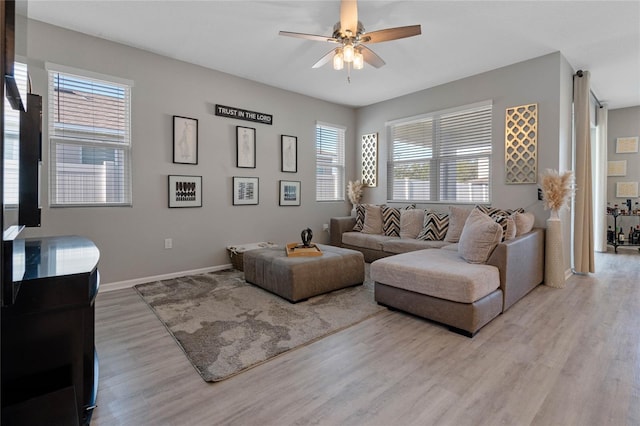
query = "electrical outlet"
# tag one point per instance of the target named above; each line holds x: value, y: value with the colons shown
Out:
x: 325, y: 227
x: 168, y: 243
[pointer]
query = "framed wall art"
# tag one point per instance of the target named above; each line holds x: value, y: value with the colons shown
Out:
x: 245, y: 191
x: 185, y: 140
x: 289, y: 154
x: 617, y: 168
x: 627, y: 189
x: 521, y: 144
x: 245, y: 147
x: 627, y: 145
x: 185, y: 191
x: 289, y: 193
x: 370, y: 160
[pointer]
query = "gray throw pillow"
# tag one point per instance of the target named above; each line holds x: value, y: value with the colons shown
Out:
x: 411, y: 222
x: 457, y: 218
x: 479, y: 238
x: 372, y: 220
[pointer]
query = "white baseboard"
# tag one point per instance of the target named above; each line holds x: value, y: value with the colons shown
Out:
x: 567, y: 274
x: 119, y: 285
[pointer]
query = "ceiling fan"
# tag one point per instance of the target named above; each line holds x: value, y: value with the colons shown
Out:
x: 352, y: 40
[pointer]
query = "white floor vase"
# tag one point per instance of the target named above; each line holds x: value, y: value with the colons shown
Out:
x: 554, y: 254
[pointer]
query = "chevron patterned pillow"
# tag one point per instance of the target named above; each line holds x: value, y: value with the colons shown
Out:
x: 360, y: 208
x: 494, y: 211
x: 435, y: 227
x: 390, y: 221
x: 501, y: 217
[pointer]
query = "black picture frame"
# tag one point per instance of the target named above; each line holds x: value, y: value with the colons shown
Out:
x: 245, y: 147
x: 290, y: 193
x: 185, y: 140
x: 288, y: 154
x: 185, y: 191
x: 246, y: 191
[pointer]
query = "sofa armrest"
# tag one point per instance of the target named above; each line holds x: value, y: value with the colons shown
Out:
x: 521, y: 265
x: 339, y: 225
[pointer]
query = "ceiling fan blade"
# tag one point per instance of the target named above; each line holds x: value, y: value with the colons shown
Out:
x: 349, y: 16
x: 391, y: 34
x: 308, y: 36
x: 371, y: 58
x: 326, y: 58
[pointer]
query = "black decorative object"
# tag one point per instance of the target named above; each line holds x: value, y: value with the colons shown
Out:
x: 306, y: 235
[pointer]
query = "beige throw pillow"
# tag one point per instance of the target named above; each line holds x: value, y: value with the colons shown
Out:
x: 457, y: 218
x: 479, y: 238
x: 411, y: 222
x: 524, y: 222
x: 372, y: 220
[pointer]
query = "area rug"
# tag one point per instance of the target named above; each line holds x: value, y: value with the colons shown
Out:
x: 225, y: 325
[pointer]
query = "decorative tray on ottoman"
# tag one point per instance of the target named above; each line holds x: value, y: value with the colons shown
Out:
x: 297, y: 249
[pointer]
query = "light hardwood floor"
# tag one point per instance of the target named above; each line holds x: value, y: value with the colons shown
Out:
x: 557, y: 357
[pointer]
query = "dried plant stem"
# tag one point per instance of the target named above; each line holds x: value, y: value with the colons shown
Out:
x: 556, y: 188
x: 355, y: 190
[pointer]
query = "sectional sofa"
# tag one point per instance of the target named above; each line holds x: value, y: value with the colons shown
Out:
x: 454, y: 272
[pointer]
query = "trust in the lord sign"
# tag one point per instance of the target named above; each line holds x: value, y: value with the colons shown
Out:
x: 243, y: 114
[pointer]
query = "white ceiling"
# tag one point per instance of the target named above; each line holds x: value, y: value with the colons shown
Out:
x: 459, y: 39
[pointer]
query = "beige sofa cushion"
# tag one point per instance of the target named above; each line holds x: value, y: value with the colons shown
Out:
x: 438, y: 273
x: 372, y: 220
x: 479, y: 238
x: 405, y: 244
x: 369, y: 241
x: 411, y: 222
x: 457, y: 217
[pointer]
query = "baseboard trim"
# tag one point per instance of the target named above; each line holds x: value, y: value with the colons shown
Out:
x: 119, y: 285
x: 568, y: 273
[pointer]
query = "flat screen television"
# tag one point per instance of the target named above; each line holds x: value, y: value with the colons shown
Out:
x: 25, y: 211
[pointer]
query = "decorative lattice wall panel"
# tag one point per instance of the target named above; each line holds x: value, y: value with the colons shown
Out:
x: 521, y: 144
x: 370, y: 159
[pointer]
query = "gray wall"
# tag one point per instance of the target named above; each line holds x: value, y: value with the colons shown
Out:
x: 623, y: 122
x: 534, y: 81
x: 546, y: 80
x: 131, y: 240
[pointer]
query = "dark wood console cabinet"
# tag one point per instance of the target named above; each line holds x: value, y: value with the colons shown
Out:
x: 49, y: 363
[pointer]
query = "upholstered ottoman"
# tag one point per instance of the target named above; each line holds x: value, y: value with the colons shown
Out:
x: 299, y: 278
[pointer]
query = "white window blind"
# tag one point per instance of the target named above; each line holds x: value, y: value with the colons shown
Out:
x: 329, y: 162
x: 90, y: 140
x: 443, y: 156
x: 12, y: 140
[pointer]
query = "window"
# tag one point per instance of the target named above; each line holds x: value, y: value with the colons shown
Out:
x: 90, y: 139
x: 12, y: 140
x: 329, y: 163
x: 442, y: 156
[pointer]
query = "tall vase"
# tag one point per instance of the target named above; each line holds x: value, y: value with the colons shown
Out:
x: 554, y: 253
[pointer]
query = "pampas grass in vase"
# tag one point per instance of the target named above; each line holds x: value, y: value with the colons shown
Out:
x: 556, y: 190
x: 355, y: 189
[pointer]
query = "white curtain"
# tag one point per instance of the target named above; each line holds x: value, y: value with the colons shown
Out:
x: 583, y: 248
x: 600, y: 180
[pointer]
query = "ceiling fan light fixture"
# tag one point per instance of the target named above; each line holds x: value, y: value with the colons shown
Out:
x: 358, y: 60
x: 338, y: 60
x: 348, y: 53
